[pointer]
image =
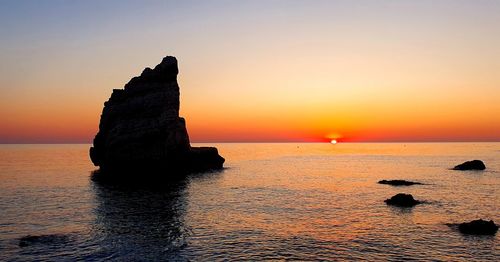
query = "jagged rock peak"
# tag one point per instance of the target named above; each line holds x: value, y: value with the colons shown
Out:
x: 165, y: 71
x: 140, y: 127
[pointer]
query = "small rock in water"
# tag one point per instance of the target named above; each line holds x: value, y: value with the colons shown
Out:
x: 402, y: 200
x: 471, y: 165
x: 478, y: 227
x: 398, y: 182
x: 43, y: 239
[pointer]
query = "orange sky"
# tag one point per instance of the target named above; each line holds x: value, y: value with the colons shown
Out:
x: 259, y: 71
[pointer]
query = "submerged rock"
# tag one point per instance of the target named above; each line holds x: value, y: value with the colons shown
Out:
x: 398, y: 182
x: 54, y: 239
x: 402, y: 200
x: 478, y: 227
x: 140, y: 128
x: 471, y: 165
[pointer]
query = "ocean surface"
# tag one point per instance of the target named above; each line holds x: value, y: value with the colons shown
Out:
x: 272, y: 202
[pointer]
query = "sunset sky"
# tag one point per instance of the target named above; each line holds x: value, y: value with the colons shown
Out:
x: 258, y: 70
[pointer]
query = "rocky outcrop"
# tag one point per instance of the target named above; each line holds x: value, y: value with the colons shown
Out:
x: 398, y: 182
x: 402, y: 200
x: 54, y: 239
x: 471, y: 165
x: 478, y: 227
x: 140, y: 128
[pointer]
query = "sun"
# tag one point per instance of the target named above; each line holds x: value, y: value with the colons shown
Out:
x: 333, y: 138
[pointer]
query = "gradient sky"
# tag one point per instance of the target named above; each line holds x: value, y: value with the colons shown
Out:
x: 258, y: 70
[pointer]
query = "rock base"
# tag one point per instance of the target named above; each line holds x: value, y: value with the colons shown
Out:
x: 402, y: 200
x: 478, y: 227
x: 471, y: 165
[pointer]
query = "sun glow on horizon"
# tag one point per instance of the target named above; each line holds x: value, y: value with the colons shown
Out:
x: 333, y: 141
x: 329, y: 71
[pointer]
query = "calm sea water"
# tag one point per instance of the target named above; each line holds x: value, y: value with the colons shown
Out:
x: 273, y: 201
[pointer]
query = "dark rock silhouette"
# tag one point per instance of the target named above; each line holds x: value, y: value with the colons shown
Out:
x: 398, y: 182
x: 471, y: 165
x: 478, y: 227
x: 140, y: 128
x: 402, y: 200
x: 55, y: 239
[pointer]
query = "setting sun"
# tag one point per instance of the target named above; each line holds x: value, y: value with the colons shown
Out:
x: 333, y: 141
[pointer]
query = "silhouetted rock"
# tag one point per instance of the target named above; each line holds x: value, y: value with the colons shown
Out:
x: 478, y: 227
x: 54, y: 239
x: 402, y: 200
x: 398, y: 182
x: 140, y: 128
x: 471, y: 165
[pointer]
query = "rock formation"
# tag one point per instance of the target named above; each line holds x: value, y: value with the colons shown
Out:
x: 398, y: 182
x: 471, y: 165
x: 140, y: 128
x: 478, y: 227
x: 54, y: 239
x: 402, y: 200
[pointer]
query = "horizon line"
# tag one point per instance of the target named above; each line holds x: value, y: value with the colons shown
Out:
x: 267, y: 142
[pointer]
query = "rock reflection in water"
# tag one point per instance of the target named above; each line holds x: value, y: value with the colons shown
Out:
x: 140, y: 222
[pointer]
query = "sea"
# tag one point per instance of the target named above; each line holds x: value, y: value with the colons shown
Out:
x: 272, y: 201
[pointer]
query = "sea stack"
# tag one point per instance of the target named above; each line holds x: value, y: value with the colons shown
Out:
x: 140, y: 129
x: 471, y: 165
x: 478, y: 227
x: 402, y: 200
